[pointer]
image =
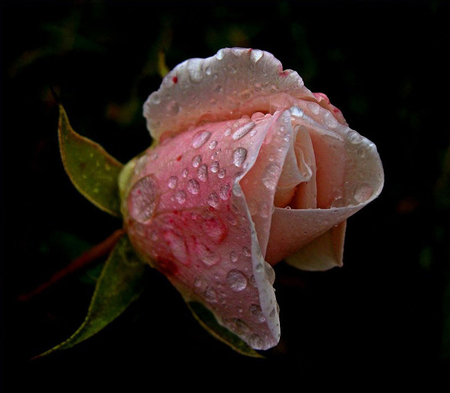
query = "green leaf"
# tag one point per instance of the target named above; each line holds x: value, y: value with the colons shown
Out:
x: 120, y: 283
x: 90, y: 168
x: 209, y: 322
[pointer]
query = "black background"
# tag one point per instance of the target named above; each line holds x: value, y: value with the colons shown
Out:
x: 382, y: 319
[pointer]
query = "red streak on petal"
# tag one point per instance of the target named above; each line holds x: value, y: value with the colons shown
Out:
x: 167, y: 267
x: 179, y: 158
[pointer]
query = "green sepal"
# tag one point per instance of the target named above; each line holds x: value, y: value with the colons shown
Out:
x: 209, y: 322
x: 120, y: 283
x: 90, y: 168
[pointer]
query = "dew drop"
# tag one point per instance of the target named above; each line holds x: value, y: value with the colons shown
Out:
x: 210, y: 294
x: 195, y: 70
x: 257, y: 313
x: 270, y: 176
x: 242, y: 131
x: 142, y: 199
x: 237, y: 280
x: 185, y: 173
x: 296, y: 112
x: 200, y: 138
x: 256, y: 55
x: 246, y: 251
x: 224, y: 192
x: 177, y: 246
x: 227, y: 131
x: 172, y: 182
x: 155, y: 99
x: 362, y: 193
x: 239, y: 156
x: 198, y: 282
x: 220, y: 54
x: 215, y: 167
x: 330, y: 121
x: 221, y: 173
x: 213, y: 145
x: 233, y: 256
x: 213, y: 200
x: 180, y: 197
x: 202, y: 172
x: 173, y: 108
x: 196, y: 161
x: 256, y: 342
x: 193, y: 187
x: 208, y: 257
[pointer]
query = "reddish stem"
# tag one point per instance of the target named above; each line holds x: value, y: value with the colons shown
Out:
x: 96, y: 252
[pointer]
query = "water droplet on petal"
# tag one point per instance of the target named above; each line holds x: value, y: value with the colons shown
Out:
x: 246, y: 251
x: 213, y: 145
x: 154, y: 98
x: 173, y: 108
x: 180, y: 197
x: 256, y: 342
x: 177, y: 246
x: 237, y: 280
x: 220, y: 54
x: 202, y: 172
x: 193, y: 187
x: 215, y: 166
x: 185, y: 173
x: 256, y: 55
x: 239, y: 156
x: 210, y: 294
x: 270, y: 176
x: 362, y: 193
x: 172, y: 182
x: 208, y: 257
x: 142, y: 199
x: 222, y: 172
x: 257, y: 313
x: 195, y: 70
x: 200, y: 138
x: 224, y: 192
x: 330, y: 120
x: 196, y: 161
x: 213, y: 200
x: 215, y: 230
x: 233, y: 257
x: 241, y: 131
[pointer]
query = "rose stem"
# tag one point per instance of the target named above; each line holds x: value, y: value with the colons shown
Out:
x: 91, y: 255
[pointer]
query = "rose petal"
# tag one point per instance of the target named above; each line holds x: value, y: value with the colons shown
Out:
x: 355, y: 178
x: 232, y: 83
x: 323, y: 253
x: 196, y: 228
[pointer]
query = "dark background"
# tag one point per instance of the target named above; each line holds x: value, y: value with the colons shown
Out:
x: 383, y: 319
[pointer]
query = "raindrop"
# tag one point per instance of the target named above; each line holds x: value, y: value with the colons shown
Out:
x: 173, y: 108
x: 172, y: 182
x: 208, y: 257
x: 256, y: 55
x: 198, y: 282
x: 155, y: 99
x: 177, y: 246
x: 196, y: 161
x: 270, y: 176
x: 330, y: 121
x: 362, y: 193
x: 246, y: 251
x: 354, y: 137
x: 215, y: 167
x: 210, y: 294
x: 237, y: 280
x: 233, y: 257
x: 185, y: 173
x: 296, y: 111
x: 222, y: 172
x: 213, y: 200
x: 224, y: 192
x: 215, y: 230
x: 143, y: 199
x: 202, y: 172
x: 239, y: 156
x: 212, y: 145
x: 180, y: 197
x: 200, y: 138
x: 256, y: 342
x: 220, y: 54
x: 193, y: 187
x: 227, y: 131
x: 257, y: 313
x: 194, y: 67
x: 241, y: 131
x: 208, y: 70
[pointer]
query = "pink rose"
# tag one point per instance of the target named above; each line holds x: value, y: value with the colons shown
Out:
x: 248, y: 168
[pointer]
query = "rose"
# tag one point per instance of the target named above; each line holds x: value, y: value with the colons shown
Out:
x: 248, y: 166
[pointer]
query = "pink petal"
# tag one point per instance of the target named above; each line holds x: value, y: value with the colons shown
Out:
x: 188, y: 216
x: 232, y: 83
x: 349, y: 176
